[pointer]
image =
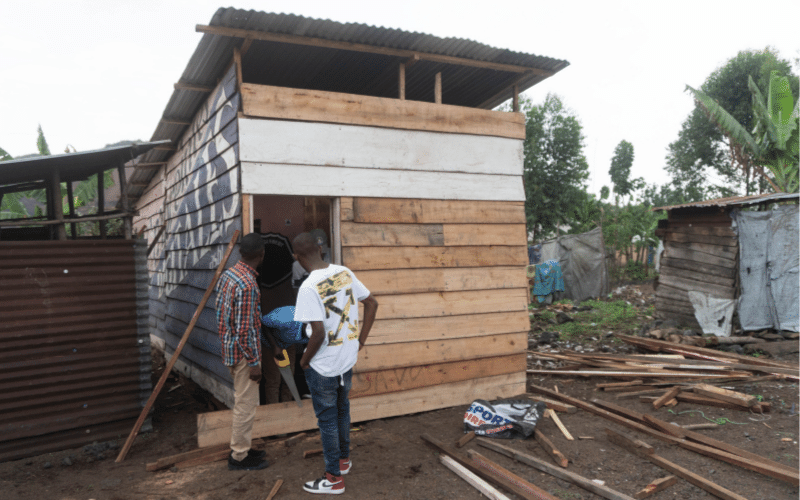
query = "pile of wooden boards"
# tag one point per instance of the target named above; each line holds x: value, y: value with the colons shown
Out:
x: 677, y: 362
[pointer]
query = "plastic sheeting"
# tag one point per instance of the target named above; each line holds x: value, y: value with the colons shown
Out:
x: 715, y: 315
x: 768, y: 268
x: 583, y: 264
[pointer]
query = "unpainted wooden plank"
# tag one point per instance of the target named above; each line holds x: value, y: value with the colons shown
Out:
x: 723, y: 231
x: 437, y: 211
x: 485, y: 234
x: 333, y: 107
x: 215, y: 427
x: 527, y: 490
x: 413, y: 377
x: 681, y: 237
x: 656, y: 486
x: 449, y: 279
x: 383, y: 235
x: 476, y: 482
x: 393, y: 331
x: 550, y: 449
x: 689, y: 265
x: 717, y: 291
x: 667, y: 396
x: 678, y: 252
x: 377, y: 357
x: 695, y: 275
x: 426, y: 305
x: 726, y: 395
x: 362, y: 258
x: 466, y: 438
x: 346, y: 208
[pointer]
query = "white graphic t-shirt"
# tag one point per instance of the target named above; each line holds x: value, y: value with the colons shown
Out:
x: 331, y: 295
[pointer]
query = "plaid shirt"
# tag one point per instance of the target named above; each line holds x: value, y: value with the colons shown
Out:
x: 239, y: 315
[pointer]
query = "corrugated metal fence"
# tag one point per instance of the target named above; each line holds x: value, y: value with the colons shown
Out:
x: 74, y: 343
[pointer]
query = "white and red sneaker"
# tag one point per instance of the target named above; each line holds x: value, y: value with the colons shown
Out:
x: 344, y: 466
x: 327, y: 484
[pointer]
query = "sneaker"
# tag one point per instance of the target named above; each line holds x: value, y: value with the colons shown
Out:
x: 344, y: 466
x: 247, y: 463
x: 259, y: 454
x: 327, y: 484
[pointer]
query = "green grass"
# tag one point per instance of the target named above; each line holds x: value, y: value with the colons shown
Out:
x: 617, y: 316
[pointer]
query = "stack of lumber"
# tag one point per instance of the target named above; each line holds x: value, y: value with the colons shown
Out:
x: 677, y: 362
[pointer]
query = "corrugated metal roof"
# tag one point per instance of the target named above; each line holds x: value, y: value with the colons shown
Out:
x: 735, y: 201
x: 339, y: 70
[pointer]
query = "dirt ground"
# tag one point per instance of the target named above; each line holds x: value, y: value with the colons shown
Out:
x: 391, y: 461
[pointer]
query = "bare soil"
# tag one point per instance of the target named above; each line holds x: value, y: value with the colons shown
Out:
x: 391, y: 461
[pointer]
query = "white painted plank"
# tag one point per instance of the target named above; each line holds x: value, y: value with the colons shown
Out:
x: 306, y: 143
x: 479, y: 484
x: 303, y: 180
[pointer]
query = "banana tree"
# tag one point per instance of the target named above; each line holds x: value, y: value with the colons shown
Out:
x: 774, y: 142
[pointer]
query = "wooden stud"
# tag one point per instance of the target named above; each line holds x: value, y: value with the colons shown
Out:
x: 466, y: 438
x: 550, y: 448
x: 656, y: 486
x: 248, y: 41
x: 247, y: 213
x: 57, y: 208
x: 275, y: 489
x: 667, y: 396
x: 101, y: 203
x: 193, y: 87
x: 437, y: 88
x: 168, y: 369
x: 174, y: 122
x: 524, y: 488
x: 358, y: 47
x: 401, y: 82
x: 127, y: 220
x: 237, y: 62
x: 71, y: 203
x: 472, y: 479
x: 336, y: 230
x: 545, y: 467
x: 732, y: 397
x: 559, y: 424
x: 515, y: 99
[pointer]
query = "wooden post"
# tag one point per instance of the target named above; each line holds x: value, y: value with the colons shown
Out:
x: 515, y: 99
x: 71, y: 203
x: 336, y: 230
x: 58, y: 208
x: 437, y: 88
x: 127, y: 220
x: 101, y: 203
x: 401, y: 81
x: 247, y: 213
x: 138, y: 425
x: 237, y: 62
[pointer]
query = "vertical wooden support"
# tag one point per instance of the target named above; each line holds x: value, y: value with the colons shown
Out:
x: 71, y: 203
x: 437, y: 88
x: 247, y: 213
x: 127, y: 220
x: 101, y: 202
x: 401, y: 81
x: 515, y: 99
x: 58, y: 208
x: 237, y: 62
x: 336, y: 230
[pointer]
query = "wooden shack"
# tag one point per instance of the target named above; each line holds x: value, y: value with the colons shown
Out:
x: 74, y: 342
x: 384, y: 140
x: 701, y: 253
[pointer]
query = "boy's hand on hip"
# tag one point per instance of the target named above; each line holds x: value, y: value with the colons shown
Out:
x: 255, y: 373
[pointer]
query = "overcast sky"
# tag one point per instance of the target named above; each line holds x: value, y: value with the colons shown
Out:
x: 96, y: 72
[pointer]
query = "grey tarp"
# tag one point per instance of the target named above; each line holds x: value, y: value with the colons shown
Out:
x: 768, y: 268
x: 582, y: 261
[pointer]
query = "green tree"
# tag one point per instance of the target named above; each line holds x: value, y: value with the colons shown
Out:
x: 699, y: 161
x: 620, y: 170
x: 555, y: 168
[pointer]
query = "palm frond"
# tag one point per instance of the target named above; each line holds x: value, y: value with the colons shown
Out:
x: 725, y: 121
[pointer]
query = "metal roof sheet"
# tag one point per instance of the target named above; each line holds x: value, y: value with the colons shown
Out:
x: 734, y: 201
x: 339, y: 70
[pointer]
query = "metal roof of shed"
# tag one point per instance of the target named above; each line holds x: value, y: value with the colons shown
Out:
x: 309, y: 66
x: 735, y: 201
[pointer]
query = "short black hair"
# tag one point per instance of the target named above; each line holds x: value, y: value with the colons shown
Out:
x: 305, y: 245
x: 251, y: 245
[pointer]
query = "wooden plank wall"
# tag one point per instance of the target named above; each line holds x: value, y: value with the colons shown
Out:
x: 450, y: 279
x: 700, y: 254
x: 201, y: 207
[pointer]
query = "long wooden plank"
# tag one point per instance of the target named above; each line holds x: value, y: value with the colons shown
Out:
x: 382, y: 235
x: 215, y: 428
x: 701, y: 230
x: 376, y: 357
x: 693, y: 478
x: 528, y: 490
x: 695, y: 256
x: 695, y: 275
x: 361, y: 258
x: 355, y: 146
x: 726, y: 395
x: 393, y: 331
x: 281, y: 179
x: 681, y: 237
x: 448, y: 279
x: 718, y: 291
x: 414, y: 377
x: 656, y: 486
x: 426, y: 305
x: 441, y: 211
x: 587, y: 484
x: 550, y: 449
x: 346, y: 204
x: 285, y: 103
x: 472, y: 479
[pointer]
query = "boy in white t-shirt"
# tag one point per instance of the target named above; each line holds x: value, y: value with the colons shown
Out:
x: 328, y: 302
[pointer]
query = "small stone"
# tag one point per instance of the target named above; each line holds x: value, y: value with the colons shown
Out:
x: 67, y: 461
x: 47, y: 465
x: 711, y: 471
x: 173, y: 469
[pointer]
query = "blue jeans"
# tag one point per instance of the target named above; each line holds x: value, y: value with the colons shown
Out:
x: 332, y: 407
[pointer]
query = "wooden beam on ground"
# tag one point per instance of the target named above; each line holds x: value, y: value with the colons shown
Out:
x: 275, y: 489
x: 619, y: 384
x: 686, y: 397
x: 472, y: 479
x: 733, y: 397
x: 699, y: 481
x: 504, y: 481
x: 656, y: 486
x: 157, y: 389
x: 652, y: 374
x: 553, y: 405
x: 554, y: 417
x: 192, y: 87
x: 359, y: 47
x: 667, y: 396
x: 550, y: 449
x: 527, y: 490
x: 437, y: 88
x: 167, y: 462
x: 466, y: 438
x: 543, y: 466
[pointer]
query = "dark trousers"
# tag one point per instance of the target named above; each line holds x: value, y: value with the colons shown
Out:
x: 332, y: 407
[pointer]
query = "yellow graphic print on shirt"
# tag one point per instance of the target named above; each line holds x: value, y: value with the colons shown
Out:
x: 327, y: 290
